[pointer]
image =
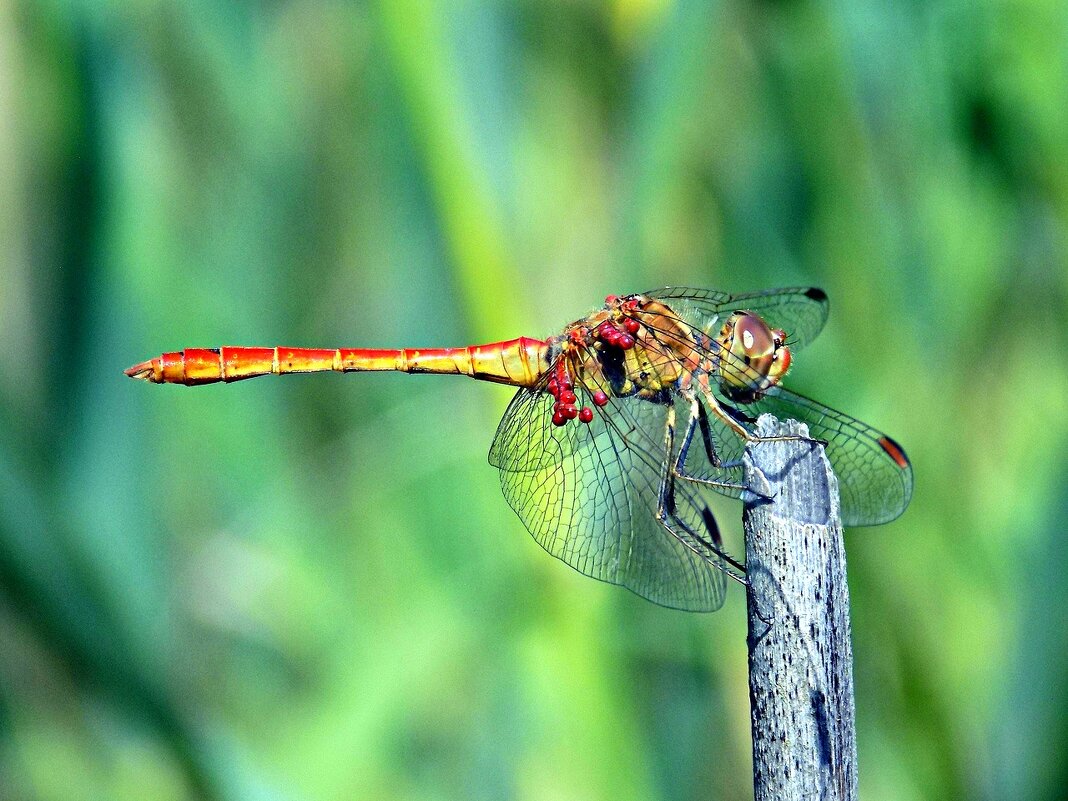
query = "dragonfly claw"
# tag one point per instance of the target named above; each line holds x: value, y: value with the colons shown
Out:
x: 759, y: 489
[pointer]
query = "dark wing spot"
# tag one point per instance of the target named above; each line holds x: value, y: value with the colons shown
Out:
x: 816, y: 294
x: 895, y: 452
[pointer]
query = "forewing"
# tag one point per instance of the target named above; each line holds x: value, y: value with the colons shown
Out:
x: 594, y: 503
x: 800, y: 311
x: 874, y: 475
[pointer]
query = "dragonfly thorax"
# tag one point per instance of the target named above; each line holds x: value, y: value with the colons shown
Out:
x: 634, y: 346
x: 638, y: 346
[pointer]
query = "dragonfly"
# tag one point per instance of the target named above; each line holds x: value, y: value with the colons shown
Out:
x: 624, y: 422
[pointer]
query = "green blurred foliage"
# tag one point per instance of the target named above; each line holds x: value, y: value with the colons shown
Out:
x: 311, y: 588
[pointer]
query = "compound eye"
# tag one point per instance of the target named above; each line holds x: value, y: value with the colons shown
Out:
x: 756, y: 338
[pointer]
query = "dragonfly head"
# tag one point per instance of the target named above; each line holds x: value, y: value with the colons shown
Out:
x: 758, y: 355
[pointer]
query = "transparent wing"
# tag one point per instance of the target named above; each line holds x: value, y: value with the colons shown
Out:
x: 800, y: 311
x: 593, y: 503
x: 874, y: 474
x: 526, y: 439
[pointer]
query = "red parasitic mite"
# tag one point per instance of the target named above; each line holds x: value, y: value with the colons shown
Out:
x: 585, y: 414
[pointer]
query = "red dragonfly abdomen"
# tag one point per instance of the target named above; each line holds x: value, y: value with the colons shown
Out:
x: 518, y: 362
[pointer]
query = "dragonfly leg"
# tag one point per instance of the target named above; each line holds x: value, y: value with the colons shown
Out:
x: 745, y: 433
x: 668, y: 517
x: 697, y: 416
x: 700, y: 418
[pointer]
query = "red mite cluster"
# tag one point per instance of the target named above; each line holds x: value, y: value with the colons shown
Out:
x: 565, y: 407
x: 610, y: 335
x: 560, y: 386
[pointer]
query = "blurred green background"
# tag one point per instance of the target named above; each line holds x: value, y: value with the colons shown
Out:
x: 311, y: 587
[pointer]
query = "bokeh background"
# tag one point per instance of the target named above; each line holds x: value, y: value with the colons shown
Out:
x: 311, y: 587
